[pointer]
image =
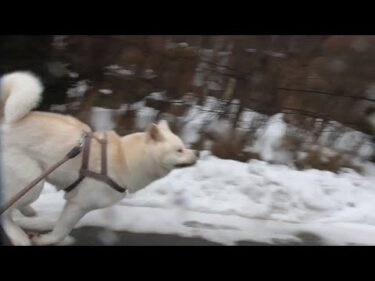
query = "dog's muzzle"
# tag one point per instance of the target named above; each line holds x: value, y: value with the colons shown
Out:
x: 184, y: 165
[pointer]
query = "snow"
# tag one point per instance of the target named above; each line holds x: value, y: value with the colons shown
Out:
x: 194, y: 121
x: 160, y: 96
x: 72, y: 74
x: 269, y: 53
x: 58, y: 107
x: 118, y: 70
x: 105, y: 91
x: 79, y: 89
x: 145, y: 115
x: 219, y: 127
x: 275, y: 54
x: 199, y: 76
x: 102, y: 119
x: 59, y: 42
x: 269, y: 139
x: 226, y: 201
x: 149, y: 74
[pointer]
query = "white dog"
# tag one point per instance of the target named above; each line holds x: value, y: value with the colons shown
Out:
x: 33, y: 141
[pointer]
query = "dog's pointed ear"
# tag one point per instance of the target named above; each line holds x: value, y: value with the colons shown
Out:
x: 163, y: 124
x: 154, y: 133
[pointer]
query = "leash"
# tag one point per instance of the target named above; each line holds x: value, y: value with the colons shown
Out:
x: 70, y: 155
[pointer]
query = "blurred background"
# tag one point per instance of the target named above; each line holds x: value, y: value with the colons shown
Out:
x: 304, y: 102
x: 220, y: 93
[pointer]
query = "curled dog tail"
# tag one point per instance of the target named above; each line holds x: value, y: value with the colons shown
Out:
x: 20, y: 92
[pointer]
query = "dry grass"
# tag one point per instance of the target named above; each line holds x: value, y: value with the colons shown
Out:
x: 318, y: 158
x: 232, y: 148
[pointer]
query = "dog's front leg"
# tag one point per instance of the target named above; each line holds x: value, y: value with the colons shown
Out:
x: 69, y: 217
x: 15, y: 233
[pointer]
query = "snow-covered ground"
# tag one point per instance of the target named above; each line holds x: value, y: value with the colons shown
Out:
x: 227, y: 201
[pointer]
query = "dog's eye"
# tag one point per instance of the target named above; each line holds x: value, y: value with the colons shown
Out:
x: 179, y: 150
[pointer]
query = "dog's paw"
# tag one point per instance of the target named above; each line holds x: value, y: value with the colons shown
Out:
x: 42, y: 239
x: 21, y: 242
x: 50, y: 239
x: 33, y: 236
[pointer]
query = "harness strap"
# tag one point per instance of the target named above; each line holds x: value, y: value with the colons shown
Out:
x: 74, y: 184
x: 103, y: 178
x: 85, y: 172
x: 86, y: 152
x: 104, y: 154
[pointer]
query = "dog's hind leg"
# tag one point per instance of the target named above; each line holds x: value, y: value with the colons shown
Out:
x: 28, y: 211
x: 69, y: 217
x: 15, y: 233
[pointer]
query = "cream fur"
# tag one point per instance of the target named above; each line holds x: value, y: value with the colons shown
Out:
x: 21, y: 92
x: 33, y: 141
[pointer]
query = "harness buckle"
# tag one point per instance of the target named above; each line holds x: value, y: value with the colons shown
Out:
x: 82, y: 139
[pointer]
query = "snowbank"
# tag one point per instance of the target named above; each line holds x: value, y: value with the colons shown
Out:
x: 227, y: 201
